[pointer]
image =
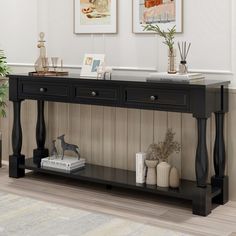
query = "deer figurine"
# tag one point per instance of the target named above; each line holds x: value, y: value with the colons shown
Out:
x: 67, y: 146
x: 54, y: 151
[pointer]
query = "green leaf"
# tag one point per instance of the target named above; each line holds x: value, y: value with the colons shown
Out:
x: 168, y: 36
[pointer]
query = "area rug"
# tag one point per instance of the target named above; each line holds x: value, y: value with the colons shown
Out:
x: 22, y: 216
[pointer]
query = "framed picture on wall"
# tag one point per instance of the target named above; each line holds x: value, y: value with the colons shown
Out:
x: 95, y: 16
x: 165, y: 13
x: 91, y: 64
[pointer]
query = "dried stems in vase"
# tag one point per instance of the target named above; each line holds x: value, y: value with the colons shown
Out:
x: 168, y: 146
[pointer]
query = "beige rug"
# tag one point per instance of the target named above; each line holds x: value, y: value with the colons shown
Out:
x: 21, y: 216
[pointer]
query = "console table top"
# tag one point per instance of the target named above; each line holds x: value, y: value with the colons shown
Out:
x: 128, y: 78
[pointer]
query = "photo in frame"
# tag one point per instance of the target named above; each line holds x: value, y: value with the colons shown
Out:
x: 95, y: 16
x: 91, y: 63
x: 164, y: 13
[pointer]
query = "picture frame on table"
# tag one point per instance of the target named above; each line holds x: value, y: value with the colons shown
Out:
x: 91, y: 64
x: 164, y: 13
x: 95, y: 16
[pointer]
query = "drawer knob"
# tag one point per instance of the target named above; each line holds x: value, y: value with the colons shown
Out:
x: 42, y: 90
x: 94, y: 94
x: 153, y: 98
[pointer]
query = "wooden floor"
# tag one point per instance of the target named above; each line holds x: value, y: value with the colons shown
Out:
x: 149, y: 209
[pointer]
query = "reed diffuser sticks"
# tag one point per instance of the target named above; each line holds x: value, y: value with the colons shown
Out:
x: 184, y: 50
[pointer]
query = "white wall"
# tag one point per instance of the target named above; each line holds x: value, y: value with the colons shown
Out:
x: 18, y: 29
x: 208, y: 24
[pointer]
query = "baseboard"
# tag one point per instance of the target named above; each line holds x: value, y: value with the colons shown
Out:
x: 5, y: 163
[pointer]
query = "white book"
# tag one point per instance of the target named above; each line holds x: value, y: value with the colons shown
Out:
x: 58, y: 167
x: 66, y: 163
x: 177, y: 77
x: 140, y: 167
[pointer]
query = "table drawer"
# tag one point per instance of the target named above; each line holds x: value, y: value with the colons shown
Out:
x: 96, y: 94
x: 165, y: 97
x: 44, y: 89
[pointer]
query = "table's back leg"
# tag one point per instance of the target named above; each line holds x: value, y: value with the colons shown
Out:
x: 220, y: 180
x: 41, y: 151
x: 17, y: 158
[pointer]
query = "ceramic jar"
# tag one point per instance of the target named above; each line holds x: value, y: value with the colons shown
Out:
x: 174, y: 178
x: 151, y: 178
x: 163, y: 174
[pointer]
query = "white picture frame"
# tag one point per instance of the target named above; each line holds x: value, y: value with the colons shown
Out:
x: 87, y: 21
x: 157, y: 15
x: 90, y: 64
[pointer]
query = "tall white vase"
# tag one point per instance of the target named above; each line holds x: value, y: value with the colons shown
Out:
x: 163, y: 174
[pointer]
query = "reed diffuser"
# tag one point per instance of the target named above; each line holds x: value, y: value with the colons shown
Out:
x: 183, y: 50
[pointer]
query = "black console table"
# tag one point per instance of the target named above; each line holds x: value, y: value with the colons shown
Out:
x: 201, y: 98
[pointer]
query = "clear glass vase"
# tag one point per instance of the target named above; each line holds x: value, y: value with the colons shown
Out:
x: 172, y: 61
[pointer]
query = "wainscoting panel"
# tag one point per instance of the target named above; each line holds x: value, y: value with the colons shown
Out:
x: 111, y: 136
x: 85, y: 135
x: 97, y: 128
x: 134, y: 136
x: 174, y: 123
x: 121, y: 138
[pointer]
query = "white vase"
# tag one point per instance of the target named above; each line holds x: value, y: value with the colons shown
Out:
x: 163, y: 174
x: 151, y: 172
x: 174, y: 178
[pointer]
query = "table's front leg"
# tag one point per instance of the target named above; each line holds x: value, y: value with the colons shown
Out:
x: 202, y: 195
x: 16, y: 159
x: 41, y: 151
x: 201, y: 162
x: 220, y: 180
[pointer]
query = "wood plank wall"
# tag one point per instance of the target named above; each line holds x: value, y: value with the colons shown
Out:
x: 111, y: 136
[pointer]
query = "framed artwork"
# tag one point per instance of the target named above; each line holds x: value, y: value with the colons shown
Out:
x: 95, y: 16
x: 91, y: 64
x: 165, y: 13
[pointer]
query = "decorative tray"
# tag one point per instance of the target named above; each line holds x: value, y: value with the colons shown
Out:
x: 49, y: 73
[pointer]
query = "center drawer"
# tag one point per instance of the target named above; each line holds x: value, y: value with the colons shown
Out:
x: 157, y: 98
x: 96, y: 94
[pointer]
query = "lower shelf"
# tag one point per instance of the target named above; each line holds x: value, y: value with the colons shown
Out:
x: 121, y: 178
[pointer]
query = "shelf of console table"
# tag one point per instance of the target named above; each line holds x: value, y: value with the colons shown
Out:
x: 122, y: 178
x: 200, y: 98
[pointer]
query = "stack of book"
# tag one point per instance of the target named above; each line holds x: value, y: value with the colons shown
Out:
x: 165, y: 77
x: 68, y: 164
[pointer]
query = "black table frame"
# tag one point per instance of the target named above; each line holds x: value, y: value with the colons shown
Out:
x: 200, y: 99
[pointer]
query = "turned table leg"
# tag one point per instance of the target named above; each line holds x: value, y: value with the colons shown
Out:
x: 202, y: 204
x: 17, y: 158
x: 201, y: 163
x: 220, y: 180
x: 40, y: 152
